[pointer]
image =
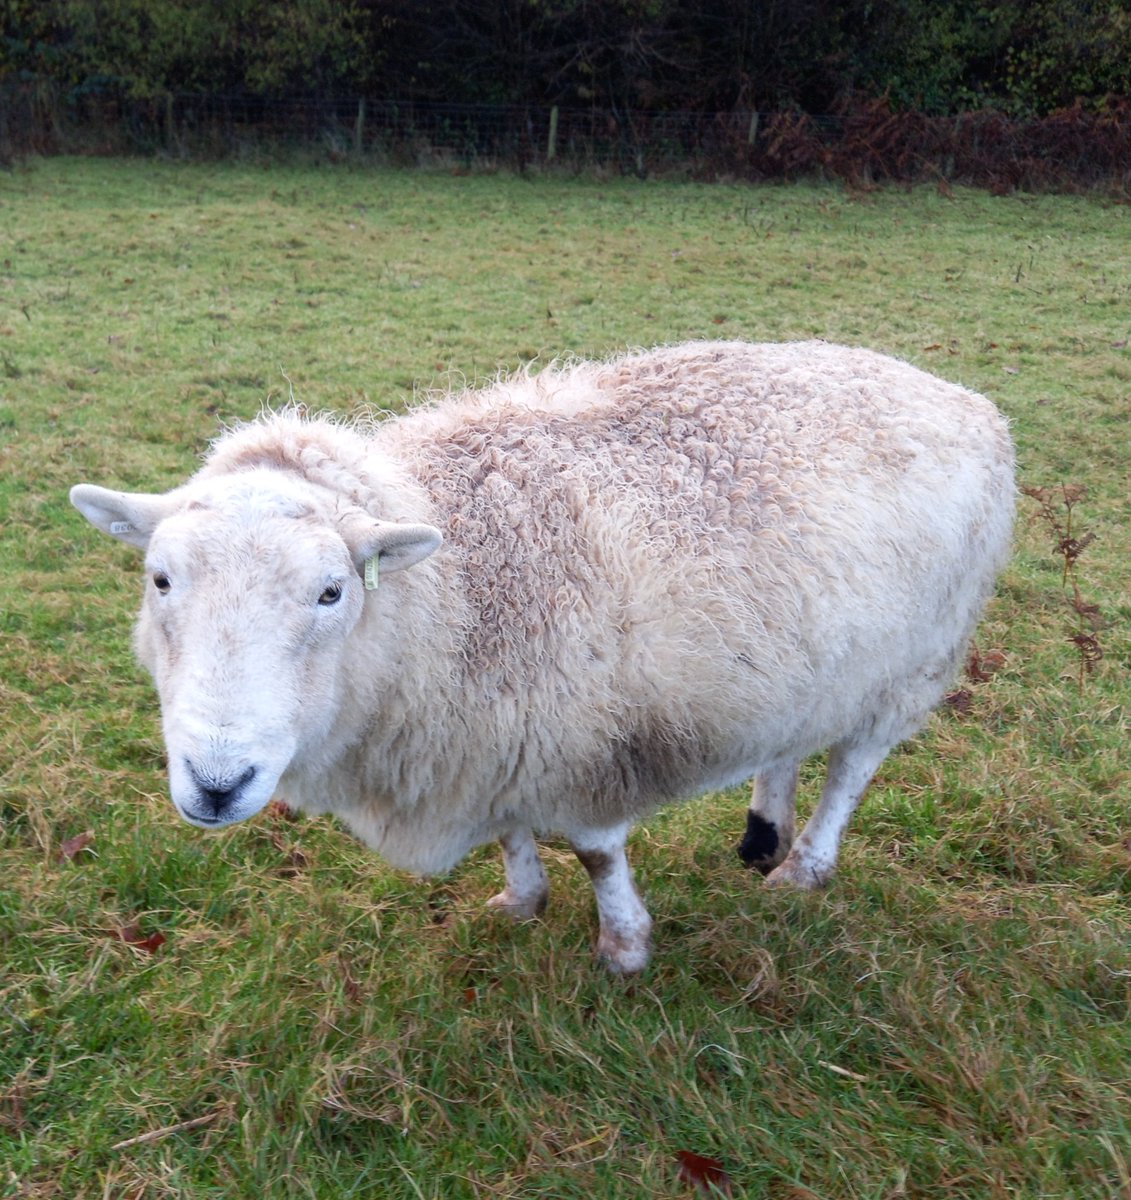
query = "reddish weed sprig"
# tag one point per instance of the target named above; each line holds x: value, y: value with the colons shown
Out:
x: 1055, y: 509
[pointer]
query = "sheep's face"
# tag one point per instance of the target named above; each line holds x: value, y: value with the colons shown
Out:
x: 253, y: 584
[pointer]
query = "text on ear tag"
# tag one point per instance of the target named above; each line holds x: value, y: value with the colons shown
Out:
x: 371, y: 574
x: 121, y: 527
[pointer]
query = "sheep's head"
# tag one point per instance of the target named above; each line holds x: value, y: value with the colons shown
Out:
x: 253, y: 583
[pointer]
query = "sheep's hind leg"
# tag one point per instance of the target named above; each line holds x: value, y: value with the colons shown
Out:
x: 812, y: 860
x: 527, y: 889
x: 770, y: 819
x: 625, y: 939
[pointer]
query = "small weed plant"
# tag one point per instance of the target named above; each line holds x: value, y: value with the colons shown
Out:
x: 1056, y: 507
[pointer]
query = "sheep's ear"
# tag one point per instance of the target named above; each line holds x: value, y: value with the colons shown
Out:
x: 386, y: 546
x: 130, y: 517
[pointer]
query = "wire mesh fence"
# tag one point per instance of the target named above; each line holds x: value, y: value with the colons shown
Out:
x: 868, y: 142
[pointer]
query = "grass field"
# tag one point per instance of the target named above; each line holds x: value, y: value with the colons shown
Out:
x: 949, y: 1019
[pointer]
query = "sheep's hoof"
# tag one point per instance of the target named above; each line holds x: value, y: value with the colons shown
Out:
x: 762, y: 847
x: 518, y: 907
x: 623, y: 954
x: 794, y: 872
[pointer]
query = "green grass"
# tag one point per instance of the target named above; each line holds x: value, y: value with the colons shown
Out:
x: 951, y: 1018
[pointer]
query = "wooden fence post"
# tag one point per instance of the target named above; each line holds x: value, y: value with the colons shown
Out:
x: 359, y: 128
x: 170, y: 125
x: 552, y: 140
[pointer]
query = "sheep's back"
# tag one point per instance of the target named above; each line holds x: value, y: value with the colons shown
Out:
x: 802, y: 460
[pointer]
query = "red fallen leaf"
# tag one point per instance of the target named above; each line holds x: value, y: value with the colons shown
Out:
x: 279, y: 810
x: 992, y: 661
x: 961, y: 700
x: 982, y: 667
x: 132, y: 935
x: 72, y: 846
x: 704, y: 1173
x: 933, y: 346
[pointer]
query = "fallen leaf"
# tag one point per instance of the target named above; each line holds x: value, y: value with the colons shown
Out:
x: 981, y: 667
x: 132, y: 935
x: 704, y: 1173
x: 993, y: 660
x: 961, y: 700
x: 933, y: 346
x: 72, y: 846
x: 1012, y: 370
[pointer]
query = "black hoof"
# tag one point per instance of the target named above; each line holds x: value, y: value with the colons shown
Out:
x: 759, y: 847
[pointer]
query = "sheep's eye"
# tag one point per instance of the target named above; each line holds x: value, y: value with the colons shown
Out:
x: 331, y: 595
x: 161, y: 583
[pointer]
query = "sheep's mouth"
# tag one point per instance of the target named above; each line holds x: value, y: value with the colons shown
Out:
x: 197, y: 818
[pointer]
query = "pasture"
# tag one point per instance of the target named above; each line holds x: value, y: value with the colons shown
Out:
x: 272, y: 1011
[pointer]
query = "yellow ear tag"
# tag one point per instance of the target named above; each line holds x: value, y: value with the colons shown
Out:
x: 371, y: 574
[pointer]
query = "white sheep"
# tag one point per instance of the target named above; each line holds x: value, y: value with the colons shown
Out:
x: 630, y: 582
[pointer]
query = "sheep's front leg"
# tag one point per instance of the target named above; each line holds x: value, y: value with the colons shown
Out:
x: 770, y: 820
x: 812, y: 861
x: 527, y: 889
x: 626, y: 928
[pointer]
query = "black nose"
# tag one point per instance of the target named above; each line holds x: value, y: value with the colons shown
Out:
x: 219, y: 792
